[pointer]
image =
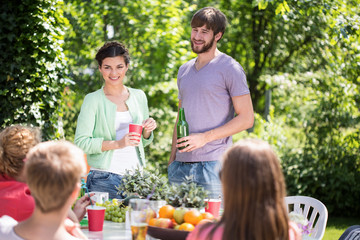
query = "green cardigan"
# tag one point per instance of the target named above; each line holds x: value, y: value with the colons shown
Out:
x: 96, y: 123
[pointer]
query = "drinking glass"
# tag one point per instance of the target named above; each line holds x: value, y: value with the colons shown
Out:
x: 138, y: 213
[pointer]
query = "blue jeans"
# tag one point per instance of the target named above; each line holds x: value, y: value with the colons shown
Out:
x: 205, y: 174
x: 99, y: 181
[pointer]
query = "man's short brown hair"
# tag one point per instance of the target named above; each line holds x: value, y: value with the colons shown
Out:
x: 52, y: 170
x: 212, y: 18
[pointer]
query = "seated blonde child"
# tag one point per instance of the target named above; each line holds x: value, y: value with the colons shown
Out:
x: 53, y: 171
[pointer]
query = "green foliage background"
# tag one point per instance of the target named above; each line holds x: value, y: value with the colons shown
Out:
x: 305, y: 53
x: 32, y: 68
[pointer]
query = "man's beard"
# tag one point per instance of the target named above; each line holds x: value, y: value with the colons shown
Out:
x: 205, y: 48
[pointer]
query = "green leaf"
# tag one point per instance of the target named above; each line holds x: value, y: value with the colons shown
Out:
x: 333, y: 42
x: 262, y: 4
x: 286, y: 6
x: 280, y: 9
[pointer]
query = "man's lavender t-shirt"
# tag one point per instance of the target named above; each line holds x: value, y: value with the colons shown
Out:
x: 206, y: 98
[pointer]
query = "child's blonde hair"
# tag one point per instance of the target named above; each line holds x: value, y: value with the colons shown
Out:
x: 53, y: 169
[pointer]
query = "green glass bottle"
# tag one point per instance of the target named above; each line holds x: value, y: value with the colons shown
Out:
x: 182, y: 126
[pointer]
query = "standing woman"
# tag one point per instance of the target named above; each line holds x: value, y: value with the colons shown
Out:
x: 254, y: 197
x: 103, y: 124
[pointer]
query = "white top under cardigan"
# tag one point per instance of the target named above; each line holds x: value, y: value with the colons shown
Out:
x: 124, y: 158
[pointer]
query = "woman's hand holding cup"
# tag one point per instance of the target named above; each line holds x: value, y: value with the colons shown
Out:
x: 132, y: 139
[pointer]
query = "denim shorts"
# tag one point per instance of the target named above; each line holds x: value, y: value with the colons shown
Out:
x: 204, y: 173
x: 101, y: 181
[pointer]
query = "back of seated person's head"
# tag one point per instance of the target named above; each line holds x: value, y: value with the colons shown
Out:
x: 254, y: 191
x: 53, y: 170
x: 15, y: 143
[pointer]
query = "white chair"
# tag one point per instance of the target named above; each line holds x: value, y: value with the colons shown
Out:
x: 313, y: 210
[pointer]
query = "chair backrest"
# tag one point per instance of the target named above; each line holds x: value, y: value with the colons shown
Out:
x: 312, y: 209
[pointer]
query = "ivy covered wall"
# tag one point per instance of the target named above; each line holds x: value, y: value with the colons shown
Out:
x: 32, y: 67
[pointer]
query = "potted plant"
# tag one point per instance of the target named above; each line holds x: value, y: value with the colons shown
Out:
x: 187, y: 194
x: 144, y: 184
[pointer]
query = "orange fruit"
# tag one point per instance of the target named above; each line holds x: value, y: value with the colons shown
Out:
x: 166, y: 211
x: 186, y: 227
x: 152, y: 221
x: 193, y: 216
x: 207, y: 215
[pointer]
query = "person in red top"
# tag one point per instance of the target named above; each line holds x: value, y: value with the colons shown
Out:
x: 53, y: 170
x: 15, y: 197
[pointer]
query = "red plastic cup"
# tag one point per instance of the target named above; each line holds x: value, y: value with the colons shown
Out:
x: 96, y: 215
x: 213, y: 206
x: 135, y: 128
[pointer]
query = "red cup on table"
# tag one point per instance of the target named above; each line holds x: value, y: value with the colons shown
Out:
x: 213, y: 206
x: 96, y: 216
x: 137, y: 128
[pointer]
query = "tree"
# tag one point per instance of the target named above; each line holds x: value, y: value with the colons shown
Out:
x: 272, y: 37
x: 32, y: 67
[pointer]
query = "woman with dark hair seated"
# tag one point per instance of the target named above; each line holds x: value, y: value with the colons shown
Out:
x: 254, y: 192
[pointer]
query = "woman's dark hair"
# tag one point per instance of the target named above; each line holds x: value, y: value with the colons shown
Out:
x: 112, y: 49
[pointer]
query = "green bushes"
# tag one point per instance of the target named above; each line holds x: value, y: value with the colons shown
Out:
x: 329, y: 172
x: 31, y: 74
x: 323, y: 159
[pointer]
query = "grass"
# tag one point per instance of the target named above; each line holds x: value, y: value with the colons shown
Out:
x: 337, y: 225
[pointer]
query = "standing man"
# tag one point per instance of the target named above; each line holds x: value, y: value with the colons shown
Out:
x: 212, y: 87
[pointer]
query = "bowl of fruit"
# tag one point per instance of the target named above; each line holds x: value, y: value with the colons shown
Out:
x: 176, y: 223
x: 167, y: 233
